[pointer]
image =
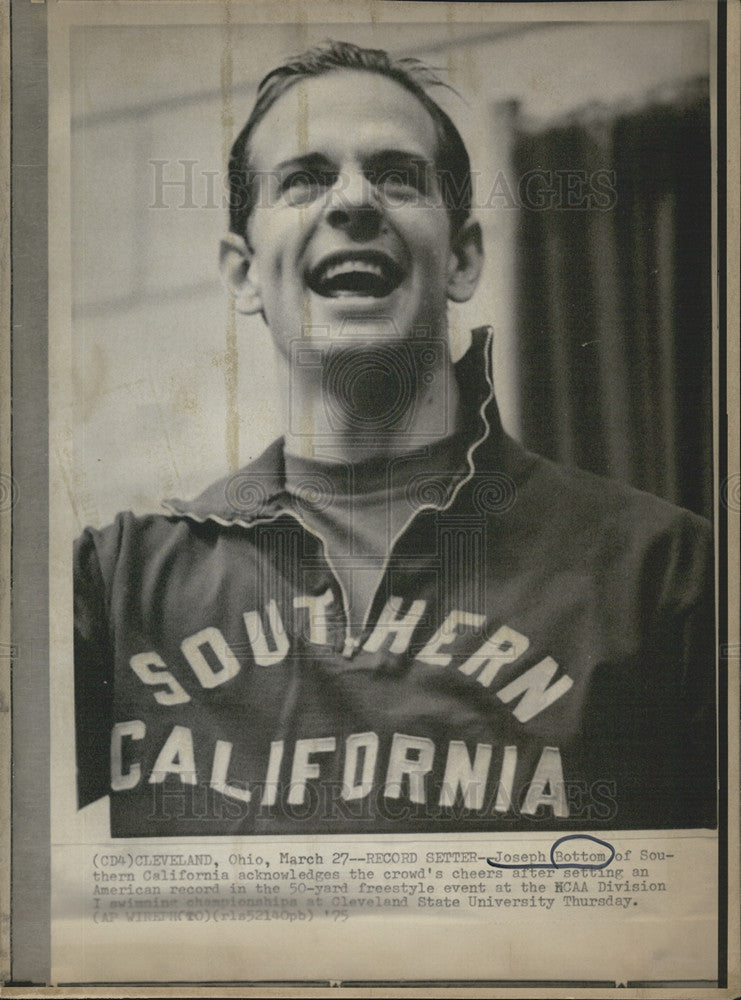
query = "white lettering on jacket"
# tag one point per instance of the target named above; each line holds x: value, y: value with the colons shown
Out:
x: 214, y: 663
x: 402, y: 771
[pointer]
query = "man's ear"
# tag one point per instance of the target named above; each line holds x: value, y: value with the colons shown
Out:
x: 238, y: 273
x: 466, y: 261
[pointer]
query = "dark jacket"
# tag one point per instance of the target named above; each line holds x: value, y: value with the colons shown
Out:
x: 539, y: 655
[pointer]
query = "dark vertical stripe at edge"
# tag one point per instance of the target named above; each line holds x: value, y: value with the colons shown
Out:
x: 722, y: 510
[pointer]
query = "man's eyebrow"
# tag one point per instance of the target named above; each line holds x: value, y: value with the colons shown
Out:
x: 399, y: 156
x: 380, y: 157
x: 306, y: 160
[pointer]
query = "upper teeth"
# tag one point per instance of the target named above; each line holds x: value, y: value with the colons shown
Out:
x: 354, y: 264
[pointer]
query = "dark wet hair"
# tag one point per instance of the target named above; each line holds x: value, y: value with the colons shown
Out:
x: 453, y: 165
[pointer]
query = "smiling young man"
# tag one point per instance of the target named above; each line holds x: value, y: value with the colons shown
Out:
x: 395, y: 619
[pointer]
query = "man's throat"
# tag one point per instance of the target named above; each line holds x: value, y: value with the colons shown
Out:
x: 370, y: 404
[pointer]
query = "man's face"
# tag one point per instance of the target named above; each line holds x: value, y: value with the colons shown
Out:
x: 349, y: 234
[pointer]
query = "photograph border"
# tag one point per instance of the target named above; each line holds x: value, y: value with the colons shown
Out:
x: 24, y: 522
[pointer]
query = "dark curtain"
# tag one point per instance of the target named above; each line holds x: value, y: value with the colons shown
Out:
x: 614, y: 294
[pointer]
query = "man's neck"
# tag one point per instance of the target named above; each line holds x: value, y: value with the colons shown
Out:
x: 364, y: 404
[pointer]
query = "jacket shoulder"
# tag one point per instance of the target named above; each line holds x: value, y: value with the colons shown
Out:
x: 576, y: 518
x: 595, y: 498
x: 131, y: 538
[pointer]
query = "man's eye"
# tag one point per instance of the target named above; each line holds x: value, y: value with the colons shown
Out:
x: 400, y: 182
x: 304, y: 185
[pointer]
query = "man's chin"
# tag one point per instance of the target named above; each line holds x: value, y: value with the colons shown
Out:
x: 353, y: 316
x: 367, y: 320
x: 366, y: 330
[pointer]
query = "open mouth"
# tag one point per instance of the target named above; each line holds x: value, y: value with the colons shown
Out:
x: 367, y: 273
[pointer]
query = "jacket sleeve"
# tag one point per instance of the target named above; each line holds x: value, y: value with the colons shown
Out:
x: 684, y: 701
x: 93, y: 672
x: 652, y: 717
x: 697, y: 649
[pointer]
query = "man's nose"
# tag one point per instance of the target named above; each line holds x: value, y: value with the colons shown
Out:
x: 354, y: 208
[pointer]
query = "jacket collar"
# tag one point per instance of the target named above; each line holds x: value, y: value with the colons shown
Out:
x: 257, y: 492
